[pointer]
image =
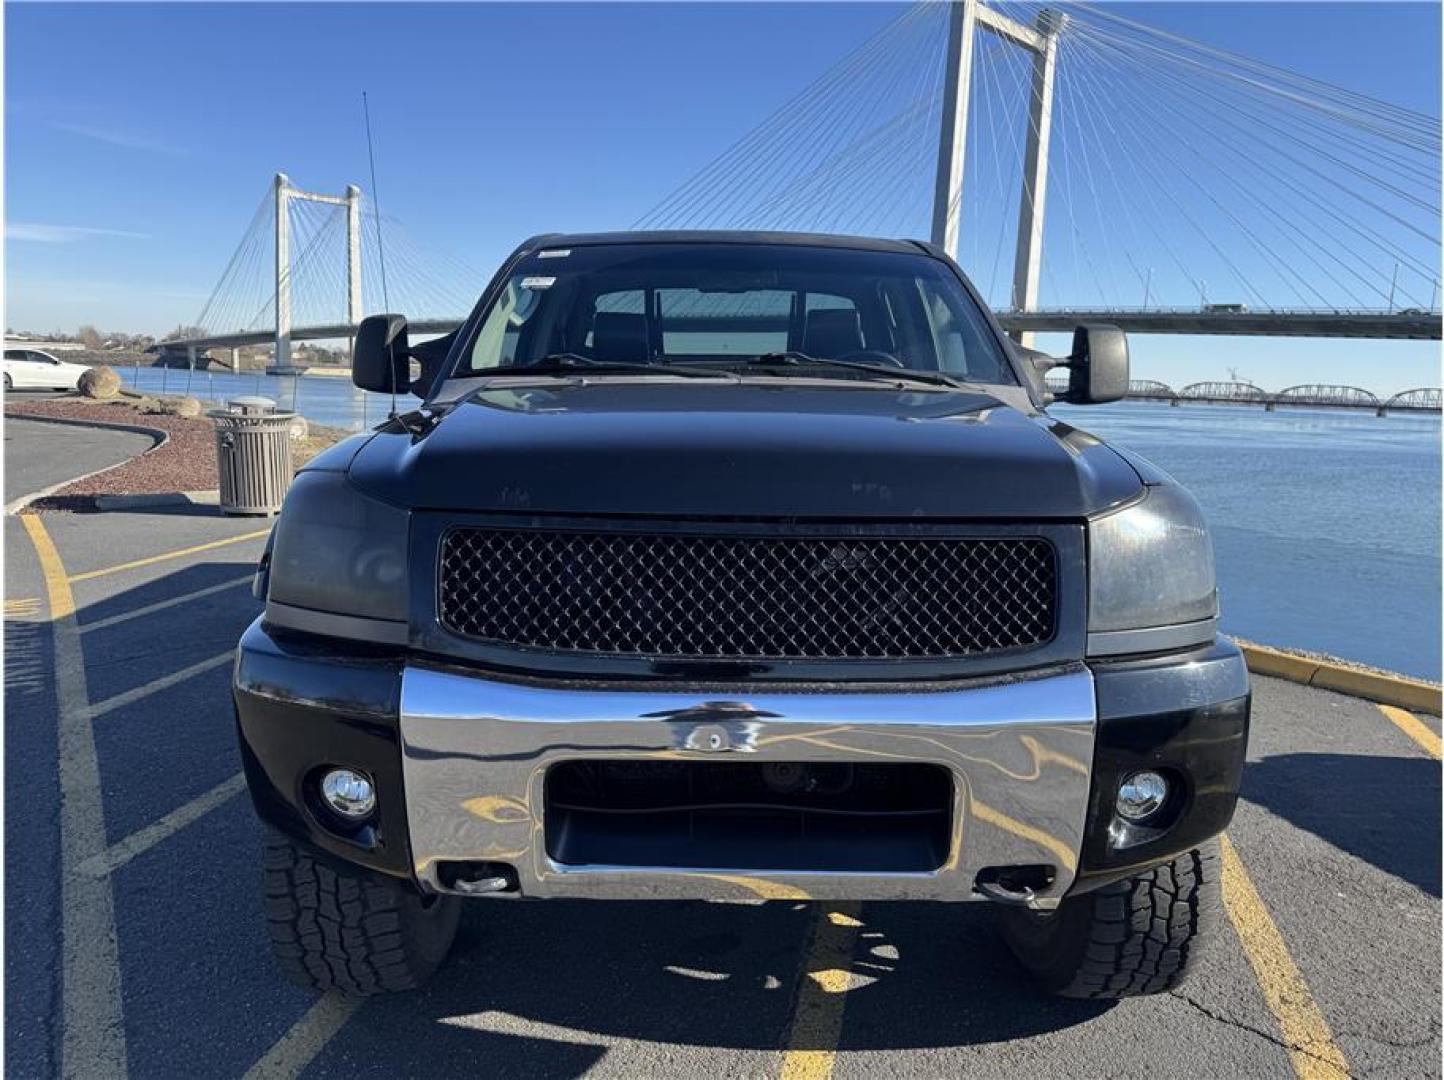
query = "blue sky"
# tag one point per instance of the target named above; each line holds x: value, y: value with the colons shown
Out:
x: 140, y: 138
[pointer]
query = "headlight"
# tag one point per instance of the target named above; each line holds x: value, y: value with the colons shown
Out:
x: 1150, y: 576
x: 338, y: 561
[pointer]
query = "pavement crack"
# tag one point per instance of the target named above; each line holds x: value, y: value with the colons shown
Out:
x: 1393, y: 1043
x: 1267, y: 1036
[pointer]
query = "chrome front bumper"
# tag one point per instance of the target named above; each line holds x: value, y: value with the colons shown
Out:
x: 475, y: 752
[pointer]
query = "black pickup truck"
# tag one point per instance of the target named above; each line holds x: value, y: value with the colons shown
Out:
x: 719, y: 565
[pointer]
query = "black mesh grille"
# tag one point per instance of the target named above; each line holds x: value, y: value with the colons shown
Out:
x: 747, y: 596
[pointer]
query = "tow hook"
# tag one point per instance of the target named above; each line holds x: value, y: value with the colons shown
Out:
x: 1016, y: 885
x: 996, y: 890
x: 477, y: 878
x: 479, y: 886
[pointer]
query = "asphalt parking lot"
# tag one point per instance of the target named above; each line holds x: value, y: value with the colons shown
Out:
x: 35, y: 462
x: 134, y: 938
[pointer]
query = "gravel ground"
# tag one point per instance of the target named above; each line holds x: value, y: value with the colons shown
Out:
x: 186, y: 462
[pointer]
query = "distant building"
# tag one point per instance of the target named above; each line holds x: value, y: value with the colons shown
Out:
x: 43, y: 345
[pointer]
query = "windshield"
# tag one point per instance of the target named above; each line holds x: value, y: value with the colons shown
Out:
x: 716, y: 304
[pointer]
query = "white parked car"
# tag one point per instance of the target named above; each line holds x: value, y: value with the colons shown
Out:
x: 31, y: 369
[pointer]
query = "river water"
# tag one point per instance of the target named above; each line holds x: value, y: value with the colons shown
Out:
x: 1326, y: 523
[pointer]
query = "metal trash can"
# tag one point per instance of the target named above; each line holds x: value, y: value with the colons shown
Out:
x: 253, y: 455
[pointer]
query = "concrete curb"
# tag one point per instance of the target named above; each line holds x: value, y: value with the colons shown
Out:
x: 1326, y: 674
x: 159, y: 498
x: 160, y: 436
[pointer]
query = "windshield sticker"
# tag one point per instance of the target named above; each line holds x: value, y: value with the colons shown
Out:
x: 554, y: 253
x: 538, y: 282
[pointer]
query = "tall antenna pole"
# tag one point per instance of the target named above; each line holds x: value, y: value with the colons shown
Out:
x: 380, y: 246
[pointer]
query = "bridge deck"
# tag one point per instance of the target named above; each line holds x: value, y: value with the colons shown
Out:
x: 1361, y: 324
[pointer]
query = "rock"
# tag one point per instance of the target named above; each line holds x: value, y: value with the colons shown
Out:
x: 101, y: 383
x: 170, y: 406
x: 299, y: 429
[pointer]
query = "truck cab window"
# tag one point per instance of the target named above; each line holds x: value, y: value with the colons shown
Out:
x: 668, y: 303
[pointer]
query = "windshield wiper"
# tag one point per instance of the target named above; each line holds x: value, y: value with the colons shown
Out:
x: 576, y: 363
x: 792, y: 358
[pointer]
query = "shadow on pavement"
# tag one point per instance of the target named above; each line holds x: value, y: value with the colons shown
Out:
x: 708, y: 975
x: 1384, y: 810
x: 85, y: 504
x: 235, y: 608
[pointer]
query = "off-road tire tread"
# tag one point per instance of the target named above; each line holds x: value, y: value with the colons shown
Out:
x: 357, y: 933
x: 1138, y: 936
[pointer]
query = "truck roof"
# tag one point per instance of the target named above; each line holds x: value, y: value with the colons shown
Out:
x: 723, y: 236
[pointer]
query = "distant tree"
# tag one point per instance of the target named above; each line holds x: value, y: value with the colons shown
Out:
x: 90, y: 337
x: 182, y: 332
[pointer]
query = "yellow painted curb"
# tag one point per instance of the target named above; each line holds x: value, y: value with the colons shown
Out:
x: 1375, y: 686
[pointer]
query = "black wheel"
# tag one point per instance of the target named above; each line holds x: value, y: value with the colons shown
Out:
x: 351, y: 930
x: 1137, y: 936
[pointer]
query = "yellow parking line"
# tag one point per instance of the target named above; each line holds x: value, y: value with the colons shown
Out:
x: 821, y: 994
x: 92, y: 1026
x: 57, y: 587
x: 307, y: 1037
x: 26, y: 608
x: 142, y: 840
x: 1413, y: 727
x: 164, y: 556
x: 1306, y: 1033
x: 155, y: 686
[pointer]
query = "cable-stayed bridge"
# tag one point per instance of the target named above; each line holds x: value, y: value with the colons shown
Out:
x: 1081, y: 166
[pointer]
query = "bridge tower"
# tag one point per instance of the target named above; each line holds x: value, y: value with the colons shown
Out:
x: 1041, y: 39
x: 285, y: 193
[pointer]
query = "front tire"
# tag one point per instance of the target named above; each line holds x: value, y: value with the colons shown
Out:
x: 351, y: 930
x: 1138, y: 936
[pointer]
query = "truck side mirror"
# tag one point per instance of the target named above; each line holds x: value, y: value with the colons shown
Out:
x: 1098, y: 365
x: 1036, y: 366
x: 381, y: 357
x: 431, y: 355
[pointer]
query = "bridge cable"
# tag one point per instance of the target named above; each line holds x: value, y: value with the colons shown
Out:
x: 1186, y: 106
x: 1270, y: 256
x: 1134, y: 80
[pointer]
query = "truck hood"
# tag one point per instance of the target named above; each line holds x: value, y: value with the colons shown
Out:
x: 744, y: 450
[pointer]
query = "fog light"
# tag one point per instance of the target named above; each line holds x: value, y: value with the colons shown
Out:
x: 1140, y: 796
x: 349, y: 793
